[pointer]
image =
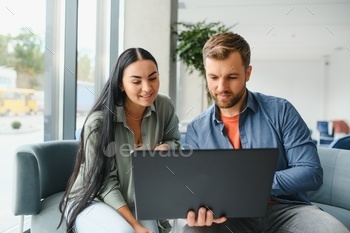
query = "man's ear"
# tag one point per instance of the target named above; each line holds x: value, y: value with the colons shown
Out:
x: 248, y: 71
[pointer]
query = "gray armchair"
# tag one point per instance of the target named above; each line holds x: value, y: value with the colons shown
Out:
x: 41, y: 173
x: 334, y: 195
x: 341, y: 143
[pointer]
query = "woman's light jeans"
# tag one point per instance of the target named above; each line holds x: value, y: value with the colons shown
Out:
x: 100, y: 217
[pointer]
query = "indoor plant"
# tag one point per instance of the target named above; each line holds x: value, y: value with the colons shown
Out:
x: 191, y: 39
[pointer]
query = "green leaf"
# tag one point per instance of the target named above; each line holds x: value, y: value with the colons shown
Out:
x: 191, y: 39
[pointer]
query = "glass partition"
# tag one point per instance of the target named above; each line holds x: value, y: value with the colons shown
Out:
x: 22, y: 48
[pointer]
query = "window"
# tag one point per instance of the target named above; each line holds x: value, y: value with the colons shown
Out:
x: 33, y: 65
x: 93, y: 54
x: 22, y: 48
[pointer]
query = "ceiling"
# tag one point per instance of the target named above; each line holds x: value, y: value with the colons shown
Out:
x: 279, y: 29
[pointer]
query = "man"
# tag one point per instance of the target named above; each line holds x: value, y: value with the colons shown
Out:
x: 243, y: 119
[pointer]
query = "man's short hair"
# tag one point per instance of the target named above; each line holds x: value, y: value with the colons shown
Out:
x: 220, y: 46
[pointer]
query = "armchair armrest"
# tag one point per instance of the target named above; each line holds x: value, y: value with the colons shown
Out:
x: 40, y: 170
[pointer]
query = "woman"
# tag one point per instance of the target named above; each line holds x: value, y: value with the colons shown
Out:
x: 129, y: 114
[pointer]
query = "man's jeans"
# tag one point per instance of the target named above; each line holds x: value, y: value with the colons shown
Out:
x: 279, y: 218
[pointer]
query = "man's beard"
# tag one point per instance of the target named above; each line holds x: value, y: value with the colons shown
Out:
x: 230, y: 102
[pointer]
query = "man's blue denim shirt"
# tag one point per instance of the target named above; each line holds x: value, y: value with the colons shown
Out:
x: 267, y: 122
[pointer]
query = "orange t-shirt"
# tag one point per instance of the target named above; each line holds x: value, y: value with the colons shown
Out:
x: 232, y: 128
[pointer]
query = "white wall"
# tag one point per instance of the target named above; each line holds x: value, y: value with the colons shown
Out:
x: 300, y: 82
x: 147, y: 25
x: 339, y: 86
x: 318, y: 91
x: 190, y: 94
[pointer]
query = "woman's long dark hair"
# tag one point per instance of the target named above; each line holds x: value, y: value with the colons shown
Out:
x: 97, y: 177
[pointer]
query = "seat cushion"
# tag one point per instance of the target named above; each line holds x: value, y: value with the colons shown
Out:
x: 49, y: 216
x: 339, y: 213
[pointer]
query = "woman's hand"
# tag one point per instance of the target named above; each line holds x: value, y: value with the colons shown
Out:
x: 164, y: 146
x: 140, y: 229
x: 130, y: 218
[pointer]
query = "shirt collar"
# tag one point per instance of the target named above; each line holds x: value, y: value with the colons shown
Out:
x: 251, y: 104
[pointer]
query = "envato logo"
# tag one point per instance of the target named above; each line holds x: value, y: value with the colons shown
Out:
x: 126, y: 150
x: 163, y: 153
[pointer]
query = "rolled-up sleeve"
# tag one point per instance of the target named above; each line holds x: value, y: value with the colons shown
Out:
x: 111, y: 194
x: 304, y: 172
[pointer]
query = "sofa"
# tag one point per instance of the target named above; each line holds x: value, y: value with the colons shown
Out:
x: 334, y: 195
x: 341, y: 143
x: 43, y: 169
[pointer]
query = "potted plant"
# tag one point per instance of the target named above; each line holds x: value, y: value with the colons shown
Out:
x: 191, y: 39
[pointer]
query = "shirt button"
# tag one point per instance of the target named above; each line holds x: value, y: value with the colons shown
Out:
x: 143, y: 134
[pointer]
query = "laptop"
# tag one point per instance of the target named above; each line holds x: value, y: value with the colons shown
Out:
x: 231, y: 183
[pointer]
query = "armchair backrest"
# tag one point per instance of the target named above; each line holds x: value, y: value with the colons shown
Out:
x: 341, y: 143
x: 41, y: 169
x: 335, y: 190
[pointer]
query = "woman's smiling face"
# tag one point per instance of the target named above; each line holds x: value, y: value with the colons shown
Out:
x: 141, y: 83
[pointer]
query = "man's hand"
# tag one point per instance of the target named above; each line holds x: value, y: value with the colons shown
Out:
x: 163, y: 146
x: 205, y: 218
